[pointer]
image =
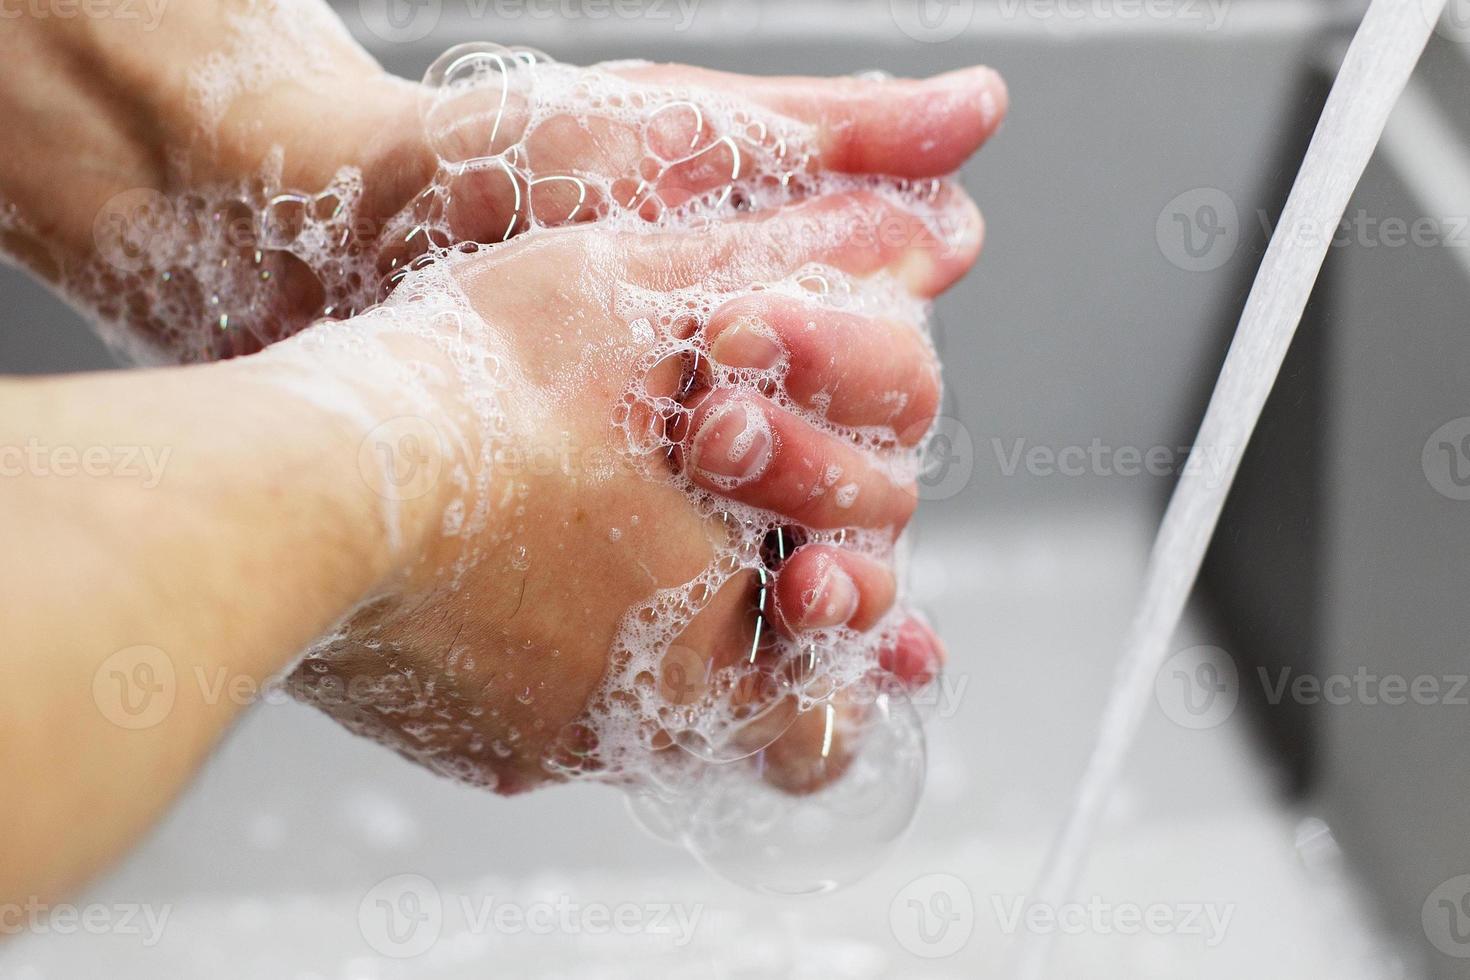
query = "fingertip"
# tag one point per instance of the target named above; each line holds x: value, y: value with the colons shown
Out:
x: 732, y: 445
x: 942, y: 122
x: 851, y: 368
x: 821, y: 586
x: 916, y: 654
x: 1001, y: 95
x: 941, y: 251
x: 960, y: 241
x: 811, y: 755
x: 831, y: 601
x: 751, y: 450
x: 991, y: 93
x: 981, y: 94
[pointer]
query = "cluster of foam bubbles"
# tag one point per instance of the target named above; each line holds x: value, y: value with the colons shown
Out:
x: 227, y: 268
x: 219, y: 271
x: 728, y: 712
x: 865, y: 756
x: 266, y: 42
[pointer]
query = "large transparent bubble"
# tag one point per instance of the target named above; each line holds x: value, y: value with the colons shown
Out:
x: 819, y: 809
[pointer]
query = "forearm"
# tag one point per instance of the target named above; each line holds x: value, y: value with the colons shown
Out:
x: 185, y: 533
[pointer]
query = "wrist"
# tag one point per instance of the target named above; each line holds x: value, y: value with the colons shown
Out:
x: 404, y: 437
x: 197, y: 96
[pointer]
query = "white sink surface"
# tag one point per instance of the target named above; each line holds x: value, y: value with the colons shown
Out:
x: 265, y: 868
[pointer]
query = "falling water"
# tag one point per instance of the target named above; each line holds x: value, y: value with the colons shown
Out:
x: 1373, y: 74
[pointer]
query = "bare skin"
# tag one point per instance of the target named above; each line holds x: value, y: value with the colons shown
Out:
x: 282, y: 501
x: 146, y: 132
x: 562, y: 584
x: 283, y: 504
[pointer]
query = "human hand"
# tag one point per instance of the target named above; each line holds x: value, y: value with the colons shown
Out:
x: 271, y: 174
x: 594, y: 593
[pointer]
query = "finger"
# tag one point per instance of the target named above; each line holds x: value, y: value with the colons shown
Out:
x: 481, y: 112
x: 720, y: 657
x: 809, y: 754
x: 821, y: 743
x: 898, y: 127
x: 857, y: 370
x: 859, y: 233
x: 916, y: 655
x: 821, y: 586
x: 745, y: 448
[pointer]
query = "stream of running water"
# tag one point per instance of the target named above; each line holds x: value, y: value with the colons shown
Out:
x: 1374, y: 72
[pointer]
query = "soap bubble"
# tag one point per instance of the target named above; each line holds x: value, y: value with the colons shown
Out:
x: 476, y: 97
x: 817, y: 810
x: 723, y: 713
x: 657, y: 815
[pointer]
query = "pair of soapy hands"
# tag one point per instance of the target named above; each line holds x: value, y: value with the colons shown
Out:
x: 539, y: 608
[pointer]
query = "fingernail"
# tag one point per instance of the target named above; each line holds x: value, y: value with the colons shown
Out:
x: 746, y: 344
x: 833, y: 603
x: 733, y: 446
